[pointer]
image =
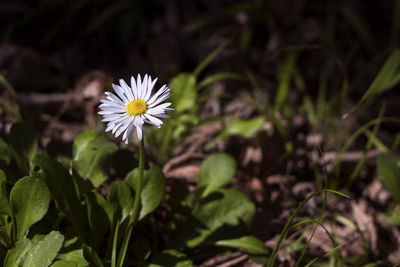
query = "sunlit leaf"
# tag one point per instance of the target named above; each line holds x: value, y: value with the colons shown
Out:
x: 223, y: 214
x: 184, y: 91
x: 216, y: 171
x: 64, y: 264
x: 45, y: 251
x: 244, y: 128
x: 16, y: 255
x: 29, y: 199
x: 74, y: 256
x: 92, y: 154
x: 250, y: 244
x: 152, y: 190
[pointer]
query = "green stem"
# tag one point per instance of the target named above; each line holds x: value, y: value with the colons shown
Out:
x: 135, y: 212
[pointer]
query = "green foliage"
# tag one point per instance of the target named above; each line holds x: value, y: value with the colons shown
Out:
x: 29, y: 253
x: 185, y: 92
x: 29, y: 201
x: 171, y: 258
x: 91, y: 156
x: 153, y: 188
x: 244, y: 128
x: 23, y: 143
x: 390, y: 172
x: 216, y: 171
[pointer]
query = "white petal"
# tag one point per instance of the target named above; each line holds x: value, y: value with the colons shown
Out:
x: 159, y: 92
x: 134, y: 88
x: 120, y: 93
x: 144, y: 86
x: 153, y: 120
x: 128, y: 133
x: 114, y: 98
x: 124, y: 126
x: 139, y: 86
x: 127, y: 89
x: 161, y: 115
x: 159, y: 100
x: 150, y: 86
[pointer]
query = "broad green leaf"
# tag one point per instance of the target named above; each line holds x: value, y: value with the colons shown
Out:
x: 75, y: 256
x: 120, y: 195
x: 100, y: 215
x: 45, y: 251
x: 29, y: 199
x: 223, y: 214
x: 250, y: 244
x: 216, y: 171
x: 62, y: 189
x: 152, y: 190
x: 23, y: 143
x: 390, y: 173
x: 171, y: 258
x: 4, y: 153
x: 92, y: 154
x: 243, y: 128
x: 16, y: 256
x: 184, y: 91
x: 64, y: 264
x: 92, y: 257
x: 4, y: 204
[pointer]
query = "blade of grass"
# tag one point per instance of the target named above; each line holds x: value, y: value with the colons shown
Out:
x: 361, y: 162
x: 357, y: 133
x: 210, y: 58
x: 219, y: 76
x: 388, y: 76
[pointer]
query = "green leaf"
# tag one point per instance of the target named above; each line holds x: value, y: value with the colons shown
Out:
x: 16, y: 256
x: 243, y: 128
x: 4, y: 153
x: 4, y: 204
x: 223, y: 214
x: 171, y: 258
x: 29, y: 199
x: 100, y: 215
x: 23, y: 143
x: 45, y: 251
x: 216, y: 171
x: 250, y: 244
x: 184, y: 92
x: 64, y: 264
x: 62, y: 189
x: 153, y: 189
x: 120, y: 195
x: 92, y: 257
x: 390, y: 173
x: 92, y: 154
x: 75, y: 256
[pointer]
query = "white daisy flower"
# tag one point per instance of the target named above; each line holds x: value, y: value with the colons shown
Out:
x: 132, y: 106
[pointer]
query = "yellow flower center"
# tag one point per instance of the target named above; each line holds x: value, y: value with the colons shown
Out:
x: 136, y: 107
